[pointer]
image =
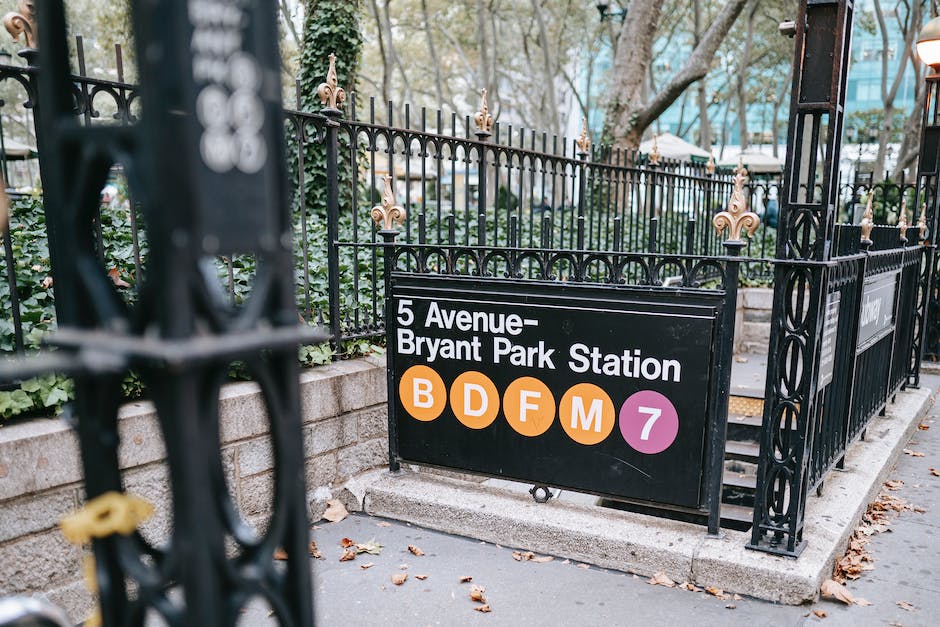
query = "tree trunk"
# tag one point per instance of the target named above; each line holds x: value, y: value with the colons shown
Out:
x: 704, y: 124
x: 432, y: 52
x: 741, y: 86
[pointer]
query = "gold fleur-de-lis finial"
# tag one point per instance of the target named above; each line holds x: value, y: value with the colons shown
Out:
x: 388, y: 213
x: 710, y: 166
x: 584, y: 142
x: 922, y: 222
x: 332, y: 96
x: 902, y: 220
x: 737, y: 217
x: 23, y: 23
x: 654, y: 153
x: 483, y: 119
x: 868, y: 222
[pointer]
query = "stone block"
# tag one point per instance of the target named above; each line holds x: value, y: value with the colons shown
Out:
x: 330, y: 435
x: 373, y: 422
x: 32, y: 513
x: 254, y: 456
x: 74, y: 599
x: 256, y: 494
x: 321, y: 470
x: 37, y: 455
x: 363, y: 456
x: 141, y: 436
x: 152, y: 483
x: 758, y: 297
x: 38, y: 562
x: 242, y: 411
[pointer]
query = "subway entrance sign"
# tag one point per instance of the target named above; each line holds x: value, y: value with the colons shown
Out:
x: 607, y: 390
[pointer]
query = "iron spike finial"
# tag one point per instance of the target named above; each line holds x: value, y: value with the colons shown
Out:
x: 332, y: 96
x: 710, y: 166
x: 388, y: 213
x: 654, y: 153
x: 23, y: 22
x: 737, y: 218
x: 868, y: 222
x: 922, y: 222
x: 902, y: 220
x: 584, y: 142
x: 483, y: 118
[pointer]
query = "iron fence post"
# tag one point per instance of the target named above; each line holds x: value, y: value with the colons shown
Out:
x: 331, y: 142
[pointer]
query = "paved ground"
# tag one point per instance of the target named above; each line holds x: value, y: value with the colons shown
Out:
x: 561, y: 592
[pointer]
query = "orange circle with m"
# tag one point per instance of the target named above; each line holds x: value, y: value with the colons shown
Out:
x: 422, y: 393
x: 586, y: 414
x: 474, y: 400
x: 529, y: 406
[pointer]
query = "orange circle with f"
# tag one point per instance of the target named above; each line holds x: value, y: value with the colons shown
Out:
x: 422, y: 393
x: 474, y: 400
x: 529, y: 406
x: 586, y: 414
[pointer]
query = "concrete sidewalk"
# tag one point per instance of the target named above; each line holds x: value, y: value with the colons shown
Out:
x: 565, y: 592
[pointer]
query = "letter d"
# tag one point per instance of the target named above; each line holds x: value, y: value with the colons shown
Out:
x: 468, y: 408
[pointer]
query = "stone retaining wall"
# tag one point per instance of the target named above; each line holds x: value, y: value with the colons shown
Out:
x: 752, y: 322
x: 345, y: 433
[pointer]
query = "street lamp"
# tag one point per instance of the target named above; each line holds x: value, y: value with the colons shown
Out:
x: 928, y: 49
x: 928, y: 44
x: 606, y: 14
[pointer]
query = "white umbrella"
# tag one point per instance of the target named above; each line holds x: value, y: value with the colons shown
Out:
x: 755, y: 162
x: 672, y: 147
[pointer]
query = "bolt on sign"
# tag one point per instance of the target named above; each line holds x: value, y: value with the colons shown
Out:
x: 604, y: 390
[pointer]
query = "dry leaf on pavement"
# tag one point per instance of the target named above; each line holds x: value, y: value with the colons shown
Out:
x: 383, y: 524
x: 348, y: 554
x: 476, y: 594
x: 834, y: 590
x: 584, y: 566
x: 894, y: 484
x: 731, y: 606
x: 908, y: 451
x: 346, y: 543
x: 923, y: 426
x: 862, y: 602
x: 415, y: 550
x: 483, y: 608
x: 542, y: 559
x: 366, y: 566
x: 691, y: 587
x: 661, y: 579
x: 314, y: 551
x: 399, y: 578
x: 421, y: 577
x: 717, y: 593
x: 904, y: 605
x: 821, y: 613
x: 335, y: 511
x: 521, y: 556
x: 466, y: 578
x: 280, y: 554
x: 371, y: 547
x: 935, y: 472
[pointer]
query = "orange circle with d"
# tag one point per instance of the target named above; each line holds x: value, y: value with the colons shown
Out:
x: 474, y: 400
x: 422, y: 393
x: 586, y: 413
x: 529, y: 406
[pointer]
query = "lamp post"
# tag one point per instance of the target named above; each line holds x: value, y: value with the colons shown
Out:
x: 928, y: 173
x: 606, y: 14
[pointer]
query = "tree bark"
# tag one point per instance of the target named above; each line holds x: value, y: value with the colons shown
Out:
x: 432, y: 52
x: 629, y: 114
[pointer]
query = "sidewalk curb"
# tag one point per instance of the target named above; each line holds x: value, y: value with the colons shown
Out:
x: 646, y: 545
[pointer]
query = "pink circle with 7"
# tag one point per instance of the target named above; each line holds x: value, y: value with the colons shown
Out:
x: 649, y: 422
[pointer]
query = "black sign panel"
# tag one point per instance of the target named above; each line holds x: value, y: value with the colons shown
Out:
x: 599, y: 389
x: 876, y: 317
x: 827, y: 353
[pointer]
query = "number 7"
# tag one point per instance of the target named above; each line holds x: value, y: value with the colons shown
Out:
x: 654, y: 414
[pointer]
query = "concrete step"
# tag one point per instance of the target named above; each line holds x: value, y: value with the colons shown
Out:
x: 745, y: 451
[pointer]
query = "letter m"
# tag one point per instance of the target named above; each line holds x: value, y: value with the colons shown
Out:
x: 593, y: 415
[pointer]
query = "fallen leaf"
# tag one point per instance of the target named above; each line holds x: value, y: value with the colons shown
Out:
x: 335, y: 511
x: 466, y: 578
x: 280, y: 554
x: 476, y: 594
x: 314, y: 551
x: 348, y: 554
x: 717, y: 593
x: 399, y: 578
x: 584, y: 566
x: 522, y: 557
x: 894, y: 484
x: 862, y: 602
x: 383, y: 524
x: 661, y: 579
x: 935, y: 472
x: 904, y: 605
x: 741, y: 360
x: 923, y: 426
x: 691, y: 587
x: 415, y: 550
x: 542, y: 559
x: 821, y: 613
x: 366, y: 566
x: 834, y: 590
x: 346, y: 543
x: 908, y: 451
x: 731, y: 606
x: 371, y: 547
x: 421, y: 577
x: 483, y: 608
x: 115, y: 276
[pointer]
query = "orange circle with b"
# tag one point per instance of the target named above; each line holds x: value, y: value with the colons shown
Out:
x: 586, y: 414
x: 529, y: 406
x: 422, y: 393
x: 474, y: 400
